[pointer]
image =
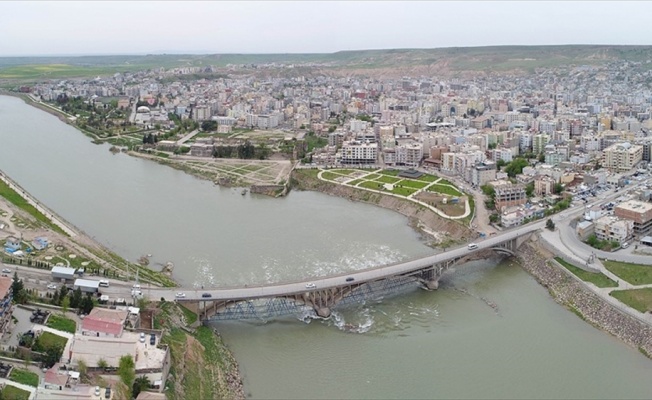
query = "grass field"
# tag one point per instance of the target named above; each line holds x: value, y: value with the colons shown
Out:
x: 49, y: 340
x: 61, y: 323
x: 412, y: 184
x: 599, y: 280
x: 387, y: 179
x: 14, y: 393
x: 639, y: 299
x: 444, y: 190
x: 633, y: 273
x: 24, y: 376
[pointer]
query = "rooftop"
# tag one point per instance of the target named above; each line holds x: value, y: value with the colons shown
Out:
x: 635, y: 206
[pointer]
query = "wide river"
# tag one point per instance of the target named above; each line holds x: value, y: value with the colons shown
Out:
x: 444, y: 344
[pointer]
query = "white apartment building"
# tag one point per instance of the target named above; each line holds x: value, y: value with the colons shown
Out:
x: 614, y: 229
x: 354, y: 152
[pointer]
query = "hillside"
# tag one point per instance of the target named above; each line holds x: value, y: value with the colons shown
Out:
x: 514, y: 59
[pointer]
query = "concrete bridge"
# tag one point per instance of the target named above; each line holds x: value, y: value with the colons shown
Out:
x: 322, y: 294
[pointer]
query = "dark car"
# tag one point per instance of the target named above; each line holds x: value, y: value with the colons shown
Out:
x: 152, y: 339
x: 350, y: 279
x: 206, y: 295
x: 107, y: 393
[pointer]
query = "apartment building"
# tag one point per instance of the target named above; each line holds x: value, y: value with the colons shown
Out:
x: 354, y: 152
x: 640, y: 213
x: 508, y: 195
x: 544, y: 185
x: 622, y: 157
x: 614, y: 229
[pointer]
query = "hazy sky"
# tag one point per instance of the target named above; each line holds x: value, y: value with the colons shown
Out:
x: 126, y: 27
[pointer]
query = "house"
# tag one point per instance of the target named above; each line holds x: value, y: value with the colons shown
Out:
x: 40, y: 243
x: 104, y: 322
x: 12, y: 244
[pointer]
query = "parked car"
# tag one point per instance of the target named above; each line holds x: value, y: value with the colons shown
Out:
x: 97, y: 390
x: 152, y: 339
x: 142, y: 337
x: 107, y: 393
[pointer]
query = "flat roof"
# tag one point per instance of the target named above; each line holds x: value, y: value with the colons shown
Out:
x: 635, y: 206
x: 63, y: 270
x: 87, y: 283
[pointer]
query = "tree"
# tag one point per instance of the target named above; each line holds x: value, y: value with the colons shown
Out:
x: 83, y: 369
x: 65, y: 304
x: 550, y: 225
x: 141, y: 383
x: 558, y: 188
x: 101, y: 363
x: 18, y: 290
x: 488, y: 190
x: 87, y: 304
x: 500, y: 163
x: 127, y: 372
x: 76, y: 299
x: 529, y: 189
x: 516, y: 167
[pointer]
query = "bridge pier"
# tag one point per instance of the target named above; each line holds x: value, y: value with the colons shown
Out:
x: 323, y: 312
x: 429, y: 277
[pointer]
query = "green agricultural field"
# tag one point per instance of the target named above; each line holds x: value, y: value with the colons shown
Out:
x: 635, y: 274
x: 387, y: 179
x: 444, y: 190
x: 639, y: 299
x: 598, y: 279
x: 412, y: 184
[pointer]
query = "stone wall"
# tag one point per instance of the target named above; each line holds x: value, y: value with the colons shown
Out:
x: 575, y: 295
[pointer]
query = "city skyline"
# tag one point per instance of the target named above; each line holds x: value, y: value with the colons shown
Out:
x: 78, y: 28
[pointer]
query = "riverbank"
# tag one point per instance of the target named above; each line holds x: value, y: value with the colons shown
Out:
x: 575, y: 296
x: 438, y: 231
x: 211, y: 364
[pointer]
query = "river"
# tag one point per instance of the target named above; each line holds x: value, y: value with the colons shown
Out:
x: 445, y: 344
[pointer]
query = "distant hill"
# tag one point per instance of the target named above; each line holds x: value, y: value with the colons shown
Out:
x: 454, y: 60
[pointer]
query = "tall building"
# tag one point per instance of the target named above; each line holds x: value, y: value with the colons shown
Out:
x: 622, y: 157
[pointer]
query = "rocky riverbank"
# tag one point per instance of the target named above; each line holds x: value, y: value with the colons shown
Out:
x: 437, y: 230
x: 578, y: 298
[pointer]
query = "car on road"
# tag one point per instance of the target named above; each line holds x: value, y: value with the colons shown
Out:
x: 180, y: 295
x: 52, y: 286
x: 350, y: 279
x: 310, y: 286
x: 206, y: 295
x: 6, y: 270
